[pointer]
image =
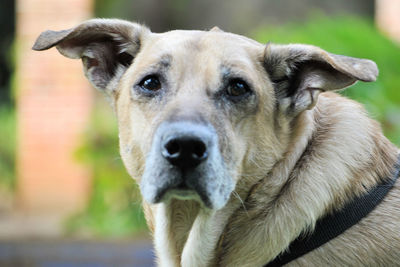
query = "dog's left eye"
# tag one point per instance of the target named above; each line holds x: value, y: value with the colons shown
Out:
x: 150, y: 83
x: 237, y: 88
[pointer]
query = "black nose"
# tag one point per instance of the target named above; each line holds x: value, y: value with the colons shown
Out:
x: 185, y: 152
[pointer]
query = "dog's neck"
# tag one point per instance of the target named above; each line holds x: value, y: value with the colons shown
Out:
x: 187, y: 235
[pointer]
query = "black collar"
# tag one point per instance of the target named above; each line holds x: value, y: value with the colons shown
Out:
x: 335, y: 224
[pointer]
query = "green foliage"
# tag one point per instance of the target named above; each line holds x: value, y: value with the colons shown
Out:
x: 8, y: 125
x: 114, y: 209
x: 7, y: 147
x: 355, y: 37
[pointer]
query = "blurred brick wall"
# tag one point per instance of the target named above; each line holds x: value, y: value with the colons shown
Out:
x: 53, y: 107
x: 387, y: 16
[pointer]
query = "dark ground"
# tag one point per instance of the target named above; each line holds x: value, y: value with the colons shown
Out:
x: 67, y: 253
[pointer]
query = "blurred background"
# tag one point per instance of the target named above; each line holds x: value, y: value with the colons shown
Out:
x: 65, y: 198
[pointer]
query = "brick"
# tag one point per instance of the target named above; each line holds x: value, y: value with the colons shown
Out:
x: 387, y: 18
x: 54, y: 102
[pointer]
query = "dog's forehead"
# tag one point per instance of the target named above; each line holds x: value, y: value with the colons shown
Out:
x: 204, y: 36
x: 222, y: 44
x: 199, y: 52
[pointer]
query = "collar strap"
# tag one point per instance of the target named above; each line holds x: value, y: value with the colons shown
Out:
x: 332, y: 225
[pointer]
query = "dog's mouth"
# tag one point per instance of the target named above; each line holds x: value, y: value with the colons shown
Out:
x: 183, y: 191
x: 179, y: 190
x: 182, y: 186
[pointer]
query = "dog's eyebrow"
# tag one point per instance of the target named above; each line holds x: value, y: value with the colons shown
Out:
x: 161, y: 66
x: 229, y: 71
x: 165, y: 61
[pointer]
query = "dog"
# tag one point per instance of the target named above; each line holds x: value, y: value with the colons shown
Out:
x: 240, y: 148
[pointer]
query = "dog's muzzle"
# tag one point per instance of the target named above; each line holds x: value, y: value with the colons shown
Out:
x: 185, y: 163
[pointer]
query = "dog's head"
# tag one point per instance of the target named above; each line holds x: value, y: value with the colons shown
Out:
x: 195, y: 108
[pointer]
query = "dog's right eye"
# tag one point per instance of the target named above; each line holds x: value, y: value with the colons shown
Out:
x: 150, y: 84
x: 237, y: 89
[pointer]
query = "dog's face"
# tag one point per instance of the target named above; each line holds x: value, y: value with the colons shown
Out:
x: 194, y: 96
x: 196, y: 109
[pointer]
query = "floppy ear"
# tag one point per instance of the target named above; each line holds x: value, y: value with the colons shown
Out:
x: 106, y: 47
x: 301, y: 72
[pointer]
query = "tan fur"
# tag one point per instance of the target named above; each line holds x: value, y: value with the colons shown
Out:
x: 292, y: 157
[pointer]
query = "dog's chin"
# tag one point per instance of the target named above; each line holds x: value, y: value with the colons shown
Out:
x: 184, y: 193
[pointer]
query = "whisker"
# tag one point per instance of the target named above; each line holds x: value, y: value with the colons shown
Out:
x: 241, y: 201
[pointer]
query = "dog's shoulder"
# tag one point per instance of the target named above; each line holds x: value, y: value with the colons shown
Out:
x: 374, y: 241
